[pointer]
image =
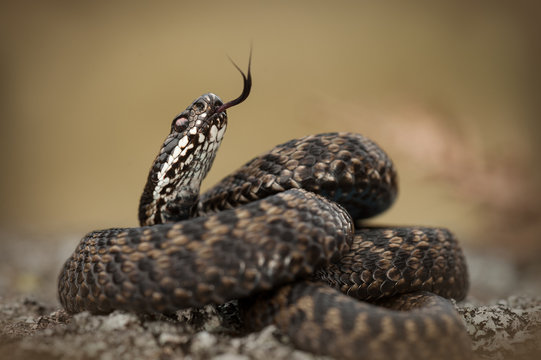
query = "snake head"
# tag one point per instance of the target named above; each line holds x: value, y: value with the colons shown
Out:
x: 199, y: 117
x: 172, y: 189
x: 209, y: 110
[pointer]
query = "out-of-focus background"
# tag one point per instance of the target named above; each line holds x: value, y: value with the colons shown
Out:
x: 88, y: 91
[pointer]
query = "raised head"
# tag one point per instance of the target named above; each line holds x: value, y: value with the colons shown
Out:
x: 172, y: 189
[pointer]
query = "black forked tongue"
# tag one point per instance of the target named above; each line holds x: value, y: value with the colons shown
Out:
x: 245, y: 91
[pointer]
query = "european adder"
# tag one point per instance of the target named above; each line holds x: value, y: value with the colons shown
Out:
x: 278, y: 234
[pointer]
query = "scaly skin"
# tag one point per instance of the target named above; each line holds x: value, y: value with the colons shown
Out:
x: 278, y: 234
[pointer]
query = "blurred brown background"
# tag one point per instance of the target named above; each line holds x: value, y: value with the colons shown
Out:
x: 450, y: 90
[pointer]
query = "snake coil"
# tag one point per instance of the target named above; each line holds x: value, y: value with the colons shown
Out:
x: 278, y: 234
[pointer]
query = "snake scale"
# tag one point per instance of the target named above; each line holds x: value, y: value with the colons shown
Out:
x: 283, y: 235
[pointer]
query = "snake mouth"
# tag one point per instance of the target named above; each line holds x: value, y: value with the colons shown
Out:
x: 218, y: 119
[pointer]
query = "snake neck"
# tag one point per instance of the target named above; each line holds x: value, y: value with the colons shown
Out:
x: 172, y: 189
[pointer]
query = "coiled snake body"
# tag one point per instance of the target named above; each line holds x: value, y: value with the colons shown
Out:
x: 278, y: 234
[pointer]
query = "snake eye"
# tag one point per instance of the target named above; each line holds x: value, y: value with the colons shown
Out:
x: 199, y: 106
x: 180, y: 124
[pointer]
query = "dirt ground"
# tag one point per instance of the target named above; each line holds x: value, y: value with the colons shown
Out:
x: 502, y: 316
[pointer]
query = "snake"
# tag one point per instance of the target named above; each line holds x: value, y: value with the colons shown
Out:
x: 285, y: 236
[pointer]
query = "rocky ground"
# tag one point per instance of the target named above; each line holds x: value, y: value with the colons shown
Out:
x: 502, y: 316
